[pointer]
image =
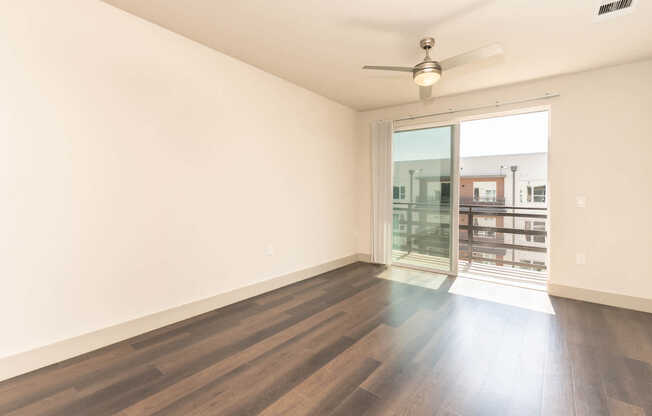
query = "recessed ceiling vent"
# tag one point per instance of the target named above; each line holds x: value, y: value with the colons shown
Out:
x: 610, y: 9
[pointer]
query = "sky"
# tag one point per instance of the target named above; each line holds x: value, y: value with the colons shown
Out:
x: 520, y: 133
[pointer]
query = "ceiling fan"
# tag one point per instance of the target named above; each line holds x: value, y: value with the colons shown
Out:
x: 428, y: 71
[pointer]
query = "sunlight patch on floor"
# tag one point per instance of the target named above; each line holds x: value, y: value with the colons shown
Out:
x: 527, y: 279
x: 414, y: 277
x: 534, y: 300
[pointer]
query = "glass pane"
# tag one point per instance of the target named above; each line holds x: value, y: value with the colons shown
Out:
x: 422, y: 210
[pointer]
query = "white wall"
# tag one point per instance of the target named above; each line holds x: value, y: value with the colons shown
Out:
x: 141, y: 171
x: 601, y: 148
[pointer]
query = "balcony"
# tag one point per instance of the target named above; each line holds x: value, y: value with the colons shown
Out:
x: 494, y: 239
x: 483, y: 201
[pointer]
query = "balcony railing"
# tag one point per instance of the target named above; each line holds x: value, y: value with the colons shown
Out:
x: 483, y: 201
x: 425, y: 228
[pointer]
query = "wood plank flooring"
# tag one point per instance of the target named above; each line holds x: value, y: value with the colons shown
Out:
x: 350, y: 343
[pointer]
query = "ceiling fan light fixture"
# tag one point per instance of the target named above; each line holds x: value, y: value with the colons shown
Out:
x: 426, y: 73
x: 426, y: 77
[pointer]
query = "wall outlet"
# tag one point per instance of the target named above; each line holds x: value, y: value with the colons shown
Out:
x: 580, y: 258
x: 580, y: 201
x: 269, y: 250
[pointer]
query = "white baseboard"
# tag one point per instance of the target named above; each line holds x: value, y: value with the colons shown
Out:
x: 604, y: 298
x: 50, y: 354
x: 365, y: 258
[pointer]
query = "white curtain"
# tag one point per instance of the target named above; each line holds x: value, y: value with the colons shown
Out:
x: 381, y: 186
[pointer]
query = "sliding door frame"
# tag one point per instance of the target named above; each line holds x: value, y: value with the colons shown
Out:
x: 456, y: 122
x: 455, y: 190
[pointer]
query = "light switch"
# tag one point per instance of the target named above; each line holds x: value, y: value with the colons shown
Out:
x: 580, y: 258
x: 580, y: 201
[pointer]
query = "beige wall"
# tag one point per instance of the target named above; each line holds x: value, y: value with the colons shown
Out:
x: 140, y: 171
x: 601, y: 148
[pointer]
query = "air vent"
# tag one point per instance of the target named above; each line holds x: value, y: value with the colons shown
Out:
x: 613, y: 8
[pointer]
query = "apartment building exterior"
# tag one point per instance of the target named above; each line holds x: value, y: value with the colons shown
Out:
x: 422, y: 194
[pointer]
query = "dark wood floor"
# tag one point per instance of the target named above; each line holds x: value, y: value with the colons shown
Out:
x: 349, y: 343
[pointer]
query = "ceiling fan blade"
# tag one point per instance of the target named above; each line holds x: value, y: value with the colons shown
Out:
x: 389, y: 68
x: 476, y: 55
x: 425, y: 93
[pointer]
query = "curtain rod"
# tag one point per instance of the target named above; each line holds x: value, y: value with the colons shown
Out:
x: 496, y: 104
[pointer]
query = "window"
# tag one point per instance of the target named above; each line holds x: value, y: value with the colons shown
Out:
x: 484, y: 191
x: 445, y: 192
x: 398, y: 222
x: 484, y: 222
x: 490, y: 257
x: 533, y: 193
x: 399, y: 192
x: 539, y: 193
x: 533, y: 262
x: 535, y: 226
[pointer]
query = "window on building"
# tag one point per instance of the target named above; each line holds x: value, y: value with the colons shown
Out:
x: 433, y: 191
x: 533, y: 262
x: 530, y: 193
x: 399, y: 222
x: 539, y: 193
x: 490, y: 257
x: 445, y: 192
x: 523, y: 266
x: 535, y: 226
x: 484, y: 191
x: 399, y: 192
x: 484, y: 222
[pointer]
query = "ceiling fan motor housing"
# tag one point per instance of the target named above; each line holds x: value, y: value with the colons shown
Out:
x: 427, y: 43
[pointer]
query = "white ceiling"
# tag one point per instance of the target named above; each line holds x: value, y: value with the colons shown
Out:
x: 321, y: 44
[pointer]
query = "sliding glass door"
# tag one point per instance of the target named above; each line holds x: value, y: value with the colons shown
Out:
x: 425, y: 198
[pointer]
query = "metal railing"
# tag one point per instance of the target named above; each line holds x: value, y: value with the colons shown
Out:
x: 483, y: 201
x: 435, y: 235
